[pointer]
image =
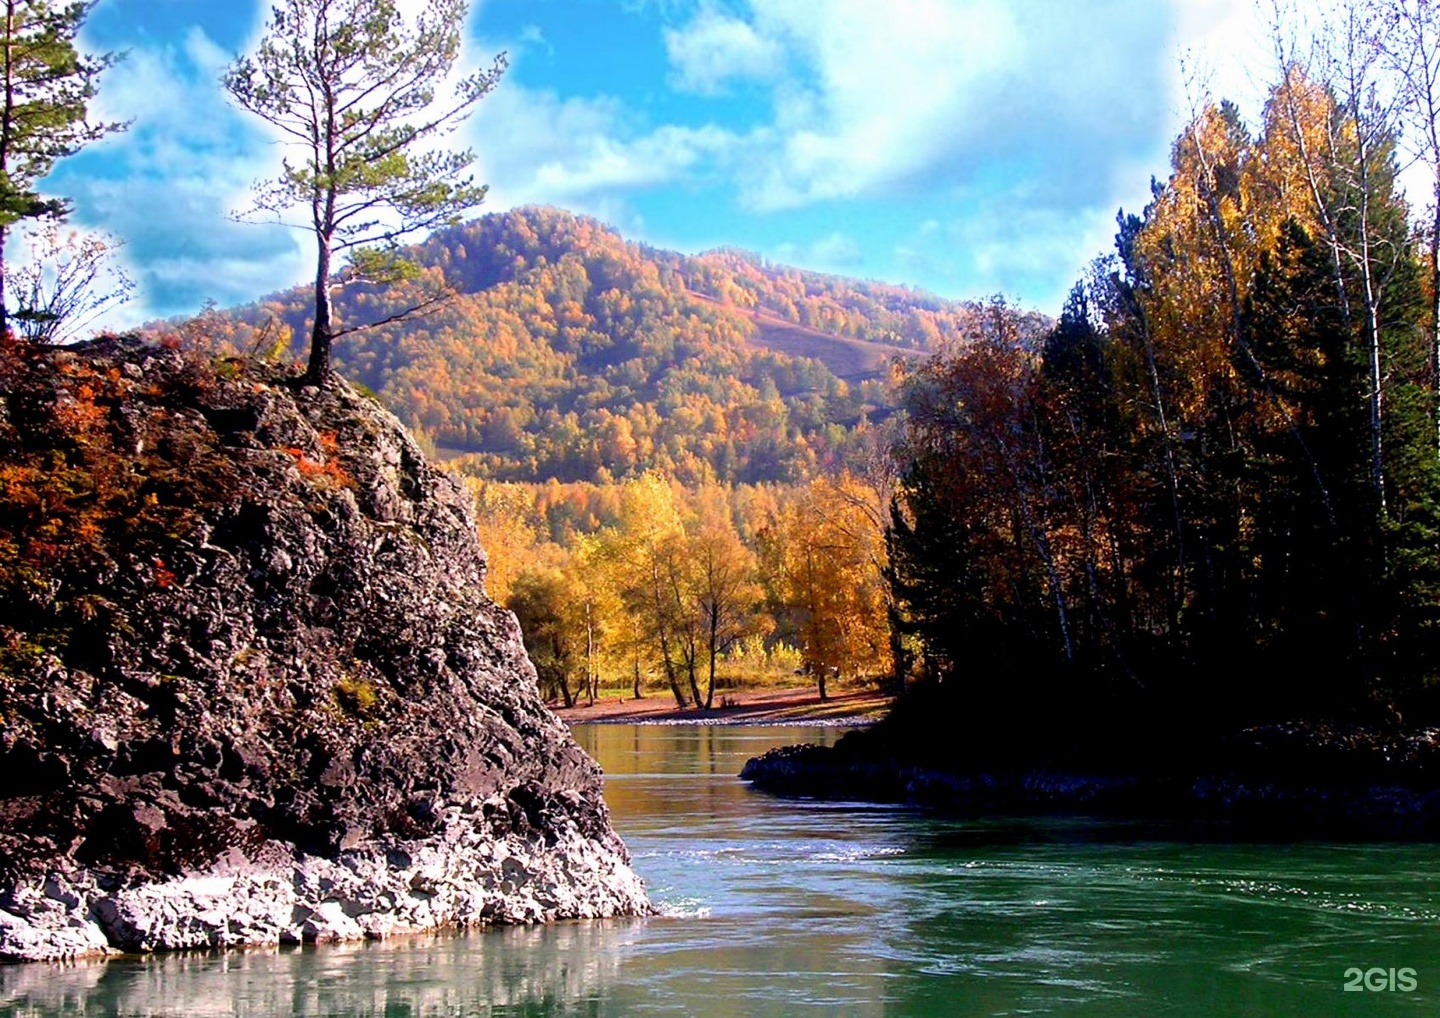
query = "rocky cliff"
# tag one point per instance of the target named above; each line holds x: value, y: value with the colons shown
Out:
x: 251, y: 688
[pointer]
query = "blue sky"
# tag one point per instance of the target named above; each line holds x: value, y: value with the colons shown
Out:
x: 967, y: 147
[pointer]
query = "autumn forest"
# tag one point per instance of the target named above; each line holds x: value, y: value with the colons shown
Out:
x: 1208, y: 488
x: 680, y: 464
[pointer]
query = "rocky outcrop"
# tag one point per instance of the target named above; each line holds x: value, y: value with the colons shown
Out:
x: 251, y: 688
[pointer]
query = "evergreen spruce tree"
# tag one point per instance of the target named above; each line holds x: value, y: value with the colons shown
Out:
x: 45, y: 86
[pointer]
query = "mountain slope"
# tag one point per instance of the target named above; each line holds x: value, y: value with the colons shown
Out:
x: 846, y: 357
x: 574, y: 354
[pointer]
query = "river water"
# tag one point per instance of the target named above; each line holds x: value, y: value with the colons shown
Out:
x: 778, y: 907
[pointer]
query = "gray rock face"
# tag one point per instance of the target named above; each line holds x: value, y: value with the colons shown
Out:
x: 259, y: 695
x: 463, y: 877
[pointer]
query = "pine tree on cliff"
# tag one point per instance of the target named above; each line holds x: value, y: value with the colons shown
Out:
x: 352, y: 84
x: 45, y: 85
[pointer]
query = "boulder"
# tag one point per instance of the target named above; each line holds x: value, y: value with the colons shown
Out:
x: 251, y: 687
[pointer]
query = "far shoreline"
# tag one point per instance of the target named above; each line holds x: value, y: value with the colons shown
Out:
x: 801, y: 705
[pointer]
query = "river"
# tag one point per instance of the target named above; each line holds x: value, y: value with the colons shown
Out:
x: 778, y: 907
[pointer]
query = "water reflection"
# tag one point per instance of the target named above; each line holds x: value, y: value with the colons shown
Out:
x: 672, y: 778
x: 553, y: 968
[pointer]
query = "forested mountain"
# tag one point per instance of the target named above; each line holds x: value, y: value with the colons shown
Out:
x: 574, y: 354
x: 624, y: 413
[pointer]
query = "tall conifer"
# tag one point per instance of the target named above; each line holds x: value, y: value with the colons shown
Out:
x: 352, y: 85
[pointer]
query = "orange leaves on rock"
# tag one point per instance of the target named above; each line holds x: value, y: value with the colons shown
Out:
x: 89, y: 486
x: 328, y: 473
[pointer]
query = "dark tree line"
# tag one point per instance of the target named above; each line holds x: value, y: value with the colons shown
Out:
x: 1208, y: 494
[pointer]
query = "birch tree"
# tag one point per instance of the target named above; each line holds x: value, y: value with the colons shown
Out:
x: 46, y: 86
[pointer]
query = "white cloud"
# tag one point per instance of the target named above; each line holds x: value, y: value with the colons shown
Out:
x: 534, y: 147
x: 1004, y: 248
x: 715, y: 49
x: 834, y: 252
x: 205, y: 54
x: 533, y: 35
x: 931, y: 95
x: 167, y: 185
x: 585, y: 153
x: 837, y: 250
x: 888, y: 81
x: 1224, y: 47
x: 602, y: 163
x: 1040, y: 116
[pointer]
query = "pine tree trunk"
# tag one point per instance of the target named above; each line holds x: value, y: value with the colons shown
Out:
x: 565, y: 695
x: 323, y: 330
x: 1037, y: 530
x: 657, y: 596
x: 899, y: 658
x: 4, y: 312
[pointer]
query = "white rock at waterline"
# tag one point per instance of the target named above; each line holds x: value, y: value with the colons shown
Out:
x: 461, y: 877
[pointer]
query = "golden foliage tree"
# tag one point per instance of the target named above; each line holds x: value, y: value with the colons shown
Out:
x: 824, y: 561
